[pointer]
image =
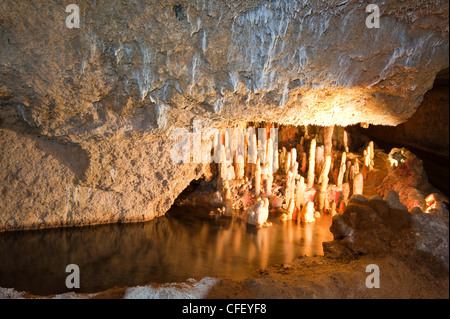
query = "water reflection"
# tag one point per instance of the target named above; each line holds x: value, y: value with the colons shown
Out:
x: 185, y: 244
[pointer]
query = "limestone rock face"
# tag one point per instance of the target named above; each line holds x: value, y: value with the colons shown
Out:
x: 86, y: 113
x: 49, y: 184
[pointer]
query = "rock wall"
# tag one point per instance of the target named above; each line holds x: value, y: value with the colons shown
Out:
x: 85, y: 113
x: 50, y: 184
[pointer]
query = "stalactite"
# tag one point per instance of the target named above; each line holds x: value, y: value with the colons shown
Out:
x: 293, y: 173
x: 342, y: 170
x: 312, y: 156
x: 247, y: 172
x: 345, y: 141
x: 268, y: 167
x: 258, y: 178
x: 223, y: 163
x: 300, y: 146
x: 328, y: 140
x: 276, y: 162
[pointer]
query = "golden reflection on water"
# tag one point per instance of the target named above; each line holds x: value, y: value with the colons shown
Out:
x: 186, y: 244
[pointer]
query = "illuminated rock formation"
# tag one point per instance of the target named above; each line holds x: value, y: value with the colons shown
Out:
x: 257, y: 214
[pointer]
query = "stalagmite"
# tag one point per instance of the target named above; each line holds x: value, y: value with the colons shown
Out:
x: 345, y: 141
x: 257, y: 214
x: 358, y: 184
x: 345, y: 191
x: 324, y: 180
x: 269, y: 166
x: 227, y: 201
x: 281, y: 161
x: 333, y: 208
x: 269, y: 156
x: 276, y: 162
x: 290, y: 177
x: 351, y: 174
x: 269, y: 183
x: 293, y: 156
x: 292, y: 184
x: 289, y: 211
x: 342, y: 169
x: 300, y: 145
x: 308, y: 213
x: 252, y: 153
x: 239, y: 167
x: 303, y: 162
x: 371, y: 154
x: 326, y: 206
x: 284, y: 156
x: 328, y: 140
x: 258, y: 178
x: 312, y: 156
x: 287, y: 163
x: 347, y: 172
x: 371, y: 150
x: 367, y: 158
x: 319, y: 158
x: 300, y: 192
x: 230, y: 171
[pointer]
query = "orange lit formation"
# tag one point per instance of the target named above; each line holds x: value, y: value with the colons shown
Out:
x: 312, y: 172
